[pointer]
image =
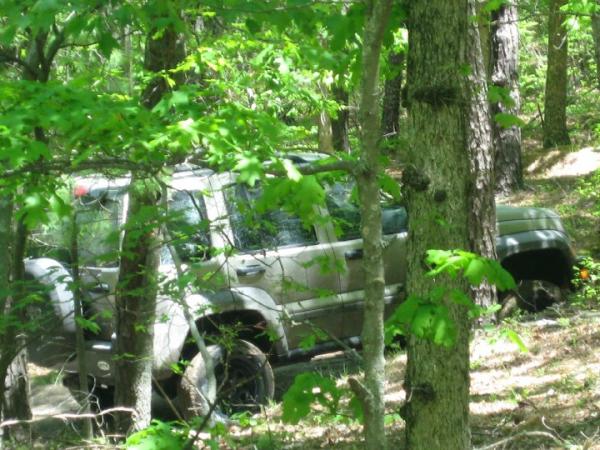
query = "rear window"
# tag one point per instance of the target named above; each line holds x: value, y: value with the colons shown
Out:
x: 256, y: 230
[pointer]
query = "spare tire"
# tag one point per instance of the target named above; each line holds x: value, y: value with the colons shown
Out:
x: 244, y: 379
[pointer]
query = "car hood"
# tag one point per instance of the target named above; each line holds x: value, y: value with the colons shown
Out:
x: 515, y: 219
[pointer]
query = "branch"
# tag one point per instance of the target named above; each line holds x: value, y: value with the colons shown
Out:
x: 520, y: 435
x: 315, y: 168
x: 66, y: 167
x: 65, y: 417
x: 6, y: 57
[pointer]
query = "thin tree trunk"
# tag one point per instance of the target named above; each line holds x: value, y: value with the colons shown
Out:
x: 136, y: 304
x: 596, y: 37
x: 447, y: 114
x: 482, y: 208
x: 555, y: 101
x: 79, y: 336
x: 390, y: 120
x: 371, y: 392
x: 339, y: 124
x: 138, y: 273
x: 16, y: 389
x: 505, y: 74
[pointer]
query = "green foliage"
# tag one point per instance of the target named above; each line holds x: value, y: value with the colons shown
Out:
x: 158, y: 436
x: 588, y: 288
x: 311, y: 388
x: 427, y: 317
x: 589, y: 188
x: 506, y: 120
x: 474, y: 267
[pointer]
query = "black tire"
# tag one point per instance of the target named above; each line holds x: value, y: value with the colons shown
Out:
x: 535, y: 295
x: 244, y: 378
x: 531, y: 296
x: 99, y: 398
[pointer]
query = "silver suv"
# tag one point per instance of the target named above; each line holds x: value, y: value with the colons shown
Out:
x: 263, y: 272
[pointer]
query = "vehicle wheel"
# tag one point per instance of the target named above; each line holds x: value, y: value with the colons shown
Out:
x: 244, y: 381
x: 98, y: 397
x: 535, y: 295
x: 530, y: 295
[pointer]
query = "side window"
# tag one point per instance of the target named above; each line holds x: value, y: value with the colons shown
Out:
x: 254, y: 230
x: 98, y: 219
x: 188, y: 226
x: 346, y: 214
x: 393, y: 219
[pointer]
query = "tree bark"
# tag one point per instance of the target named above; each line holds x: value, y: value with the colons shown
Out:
x: 390, y: 120
x: 339, y: 124
x: 14, y: 392
x: 135, y: 311
x: 596, y: 37
x: 80, y: 345
x: 505, y: 74
x: 482, y: 207
x: 371, y: 392
x: 138, y: 273
x: 555, y: 101
x: 449, y: 194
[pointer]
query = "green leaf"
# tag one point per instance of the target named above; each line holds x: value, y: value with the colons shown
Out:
x: 291, y: 170
x: 106, y: 44
x: 309, y: 388
x: 500, y: 94
x: 443, y: 328
x: 390, y: 185
x: 494, y: 5
x: 475, y: 271
x: 87, y: 324
x: 250, y: 169
x: 253, y: 26
x: 506, y: 120
x: 515, y: 338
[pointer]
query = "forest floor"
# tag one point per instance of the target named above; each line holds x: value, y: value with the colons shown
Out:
x: 545, y: 398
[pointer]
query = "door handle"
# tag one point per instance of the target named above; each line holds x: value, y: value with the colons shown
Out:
x: 354, y: 254
x: 246, y: 271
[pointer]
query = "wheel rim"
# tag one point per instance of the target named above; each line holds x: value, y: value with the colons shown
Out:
x: 239, y: 384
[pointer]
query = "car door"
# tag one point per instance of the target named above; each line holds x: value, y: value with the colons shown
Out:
x: 273, y: 251
x: 347, y: 247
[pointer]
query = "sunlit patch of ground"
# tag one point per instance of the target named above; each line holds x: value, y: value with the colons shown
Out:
x: 545, y: 398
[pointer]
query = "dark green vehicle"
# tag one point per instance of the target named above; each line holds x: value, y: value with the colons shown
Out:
x: 275, y: 284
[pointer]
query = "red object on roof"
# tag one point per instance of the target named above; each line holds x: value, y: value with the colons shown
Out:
x: 80, y: 190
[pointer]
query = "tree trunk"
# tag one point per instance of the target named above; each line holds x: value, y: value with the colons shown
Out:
x: 555, y: 101
x: 505, y: 74
x: 596, y: 37
x: 339, y: 124
x: 13, y: 366
x: 449, y: 197
x: 138, y: 273
x: 371, y: 392
x: 135, y: 308
x: 80, y: 345
x: 391, y: 97
x: 482, y: 207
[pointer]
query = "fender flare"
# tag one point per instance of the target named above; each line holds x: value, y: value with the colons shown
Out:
x: 53, y: 275
x: 170, y: 336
